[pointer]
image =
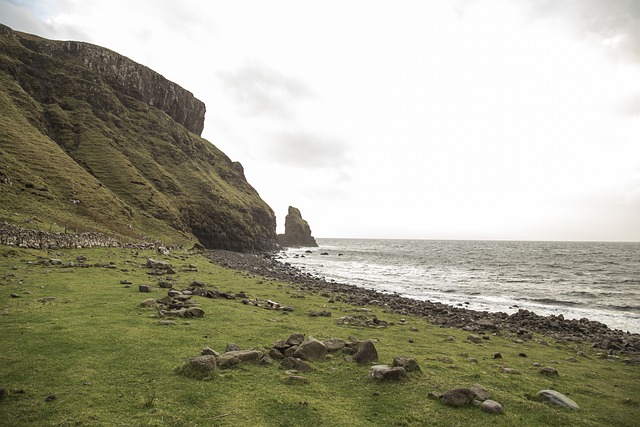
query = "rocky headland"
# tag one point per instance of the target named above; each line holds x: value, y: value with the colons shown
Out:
x: 297, y: 232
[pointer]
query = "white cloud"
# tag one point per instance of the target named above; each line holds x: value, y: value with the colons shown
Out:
x: 439, y: 119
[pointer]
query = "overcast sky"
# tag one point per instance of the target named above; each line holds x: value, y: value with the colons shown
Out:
x: 451, y: 119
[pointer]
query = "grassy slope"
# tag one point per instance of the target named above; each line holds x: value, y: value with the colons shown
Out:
x: 65, y: 135
x: 110, y: 363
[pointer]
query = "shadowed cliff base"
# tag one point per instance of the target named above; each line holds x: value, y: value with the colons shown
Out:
x: 92, y: 141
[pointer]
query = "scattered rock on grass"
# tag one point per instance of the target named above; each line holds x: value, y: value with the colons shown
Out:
x: 199, y: 367
x: 366, y: 353
x: 549, y: 372
x: 409, y: 364
x: 311, y: 349
x: 492, y: 407
x: 481, y: 393
x: 296, y: 364
x: 558, y: 399
x: 458, y: 397
x: 387, y: 373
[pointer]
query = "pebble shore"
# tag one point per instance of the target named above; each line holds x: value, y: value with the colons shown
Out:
x: 523, y: 324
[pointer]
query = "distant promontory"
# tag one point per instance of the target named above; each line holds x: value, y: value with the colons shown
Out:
x: 296, y: 231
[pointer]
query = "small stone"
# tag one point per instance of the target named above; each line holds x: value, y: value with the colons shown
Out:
x: 497, y: 356
x: 295, y: 339
x: 125, y: 282
x: 522, y: 354
x: 148, y: 303
x: 474, y: 339
x: 209, y: 350
x: 50, y: 398
x: 512, y: 371
x: 296, y: 379
x: 550, y: 372
x: 15, y: 296
x: 144, y: 288
x: 232, y: 347
x: 194, y: 312
x: 450, y: 338
x: 492, y: 407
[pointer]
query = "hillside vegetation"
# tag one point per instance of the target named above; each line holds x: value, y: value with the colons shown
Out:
x: 92, y: 141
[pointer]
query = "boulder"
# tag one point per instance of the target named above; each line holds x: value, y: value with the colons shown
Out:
x: 155, y: 264
x: 144, y: 288
x: 366, y: 353
x: 148, y: 303
x: 387, y: 373
x: 311, y: 349
x: 558, y: 399
x: 458, y: 397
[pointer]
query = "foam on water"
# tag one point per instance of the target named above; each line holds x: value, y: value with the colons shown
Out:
x: 600, y: 281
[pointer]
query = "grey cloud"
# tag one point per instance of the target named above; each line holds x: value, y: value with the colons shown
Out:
x: 616, y: 22
x: 259, y: 90
x: 306, y: 150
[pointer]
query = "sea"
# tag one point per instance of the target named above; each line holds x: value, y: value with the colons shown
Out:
x: 596, y: 280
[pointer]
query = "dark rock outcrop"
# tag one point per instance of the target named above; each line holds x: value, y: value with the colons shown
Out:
x: 296, y: 231
x: 114, y: 148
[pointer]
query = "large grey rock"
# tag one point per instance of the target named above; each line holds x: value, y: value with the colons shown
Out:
x: 458, y: 397
x: 558, y: 399
x: 366, y: 353
x: 311, y: 349
x: 387, y: 373
x: 246, y: 355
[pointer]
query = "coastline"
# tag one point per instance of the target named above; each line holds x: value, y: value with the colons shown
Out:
x: 523, y: 323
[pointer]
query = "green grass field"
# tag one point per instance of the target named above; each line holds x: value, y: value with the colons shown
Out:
x: 109, y: 362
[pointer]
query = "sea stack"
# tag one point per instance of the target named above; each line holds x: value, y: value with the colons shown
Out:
x: 296, y: 231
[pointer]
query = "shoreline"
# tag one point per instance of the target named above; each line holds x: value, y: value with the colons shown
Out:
x: 523, y: 323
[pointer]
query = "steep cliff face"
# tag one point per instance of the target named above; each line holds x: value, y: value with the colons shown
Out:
x: 93, y: 141
x: 296, y: 231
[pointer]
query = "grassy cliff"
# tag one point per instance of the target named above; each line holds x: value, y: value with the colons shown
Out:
x: 92, y: 141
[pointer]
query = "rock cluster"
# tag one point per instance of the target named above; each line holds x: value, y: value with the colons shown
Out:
x: 12, y: 235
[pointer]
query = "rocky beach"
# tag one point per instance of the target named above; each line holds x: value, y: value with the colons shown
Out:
x: 523, y: 324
